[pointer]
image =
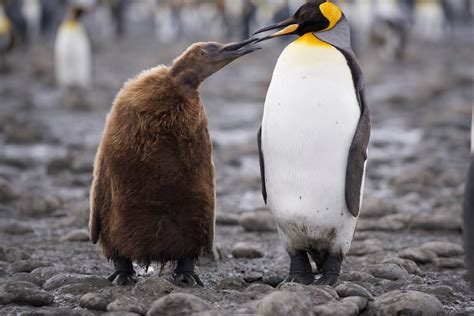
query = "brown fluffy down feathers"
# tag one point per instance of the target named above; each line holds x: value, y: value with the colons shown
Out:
x: 153, y: 193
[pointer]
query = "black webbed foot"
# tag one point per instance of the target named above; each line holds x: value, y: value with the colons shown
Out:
x: 124, y: 273
x: 184, y: 273
x: 300, y: 269
x: 331, y: 268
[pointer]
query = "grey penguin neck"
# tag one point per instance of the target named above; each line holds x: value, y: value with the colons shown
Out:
x: 339, y: 36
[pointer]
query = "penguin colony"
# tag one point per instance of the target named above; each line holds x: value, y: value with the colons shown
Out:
x: 313, y: 141
x: 153, y: 193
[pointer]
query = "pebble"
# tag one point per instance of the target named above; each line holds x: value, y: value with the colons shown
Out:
x: 443, y: 248
x: 12, y: 254
x: 351, y: 305
x: 246, y: 250
x: 366, y: 247
x: 27, y: 277
x: 383, y: 224
x: 359, y: 276
x: 408, y: 303
x: 259, y: 288
x: 353, y: 289
x: 406, y: 264
x: 48, y: 272
x: 152, y: 287
x: 388, y: 271
x: 261, y: 220
x: 95, y: 301
x: 436, y: 222
x: 76, y: 235
x: 450, y: 263
x: 127, y: 304
x: 227, y: 219
x: 63, y: 279
x: 24, y: 293
x: 232, y: 283
x: 284, y: 303
x: 25, y: 132
x: 14, y: 228
x: 178, y: 304
x: 272, y: 278
x: 38, y: 205
x: 373, y: 206
x: 418, y: 255
x: 27, y: 265
x: 319, y: 294
x: 7, y: 194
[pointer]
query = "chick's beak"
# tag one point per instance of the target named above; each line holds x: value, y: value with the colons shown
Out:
x: 288, y: 26
x: 236, y: 50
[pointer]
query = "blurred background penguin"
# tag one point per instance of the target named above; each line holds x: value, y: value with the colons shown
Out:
x: 6, y: 37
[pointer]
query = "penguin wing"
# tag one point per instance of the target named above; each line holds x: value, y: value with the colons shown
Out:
x: 99, y: 199
x: 262, y: 164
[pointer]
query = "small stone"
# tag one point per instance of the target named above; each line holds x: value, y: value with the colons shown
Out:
x: 95, y: 301
x: 319, y: 294
x: 443, y: 290
x: 232, y: 283
x: 148, y: 289
x: 48, y: 272
x: 259, y: 288
x: 24, y: 293
x: 7, y: 194
x: 359, y: 276
x: 260, y: 220
x: 351, y: 305
x: 272, y: 279
x: 376, y: 207
x: 63, y: 279
x: 227, y: 219
x: 27, y: 277
x: 127, y: 304
x: 436, y: 222
x: 406, y: 264
x: 353, y: 289
x: 178, y: 304
x: 246, y: 250
x: 12, y: 254
x: 38, y: 206
x: 284, y: 303
x: 450, y: 263
x: 366, y: 247
x: 76, y: 235
x: 387, y: 271
x: 418, y: 255
x: 408, y: 303
x: 15, y: 228
x: 443, y: 249
x: 27, y: 265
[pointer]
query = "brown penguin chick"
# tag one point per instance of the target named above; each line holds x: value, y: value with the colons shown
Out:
x: 153, y: 193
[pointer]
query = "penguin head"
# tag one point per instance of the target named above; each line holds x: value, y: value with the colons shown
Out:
x: 201, y: 60
x: 76, y: 12
x: 314, y: 16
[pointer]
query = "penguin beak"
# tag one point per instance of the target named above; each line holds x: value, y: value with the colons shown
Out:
x: 289, y: 26
x: 236, y: 50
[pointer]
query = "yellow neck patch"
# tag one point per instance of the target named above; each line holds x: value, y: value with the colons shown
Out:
x: 5, y: 24
x: 330, y: 12
x: 70, y: 24
x: 311, y: 39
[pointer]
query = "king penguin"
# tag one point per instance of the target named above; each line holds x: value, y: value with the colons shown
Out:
x: 73, y: 60
x: 468, y: 228
x: 313, y: 141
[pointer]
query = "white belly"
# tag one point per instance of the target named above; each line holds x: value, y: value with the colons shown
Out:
x: 73, y: 58
x: 310, y: 117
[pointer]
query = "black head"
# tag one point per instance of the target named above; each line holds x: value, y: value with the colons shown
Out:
x: 313, y: 16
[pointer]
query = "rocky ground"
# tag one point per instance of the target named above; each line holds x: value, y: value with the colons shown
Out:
x: 406, y: 257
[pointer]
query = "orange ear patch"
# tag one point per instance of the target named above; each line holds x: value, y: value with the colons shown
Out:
x: 330, y: 12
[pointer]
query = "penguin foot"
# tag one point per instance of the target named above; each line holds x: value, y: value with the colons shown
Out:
x: 300, y: 268
x: 184, y: 273
x: 331, y: 268
x: 189, y: 279
x: 328, y: 279
x: 122, y: 278
x: 124, y: 273
x: 302, y: 278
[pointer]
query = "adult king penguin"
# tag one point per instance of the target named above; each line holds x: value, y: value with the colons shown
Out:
x: 313, y: 141
x: 73, y: 55
x: 153, y: 194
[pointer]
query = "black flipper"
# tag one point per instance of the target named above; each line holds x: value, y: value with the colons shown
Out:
x: 262, y: 164
x: 339, y: 37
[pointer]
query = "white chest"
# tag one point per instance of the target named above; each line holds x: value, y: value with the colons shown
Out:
x: 310, y: 117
